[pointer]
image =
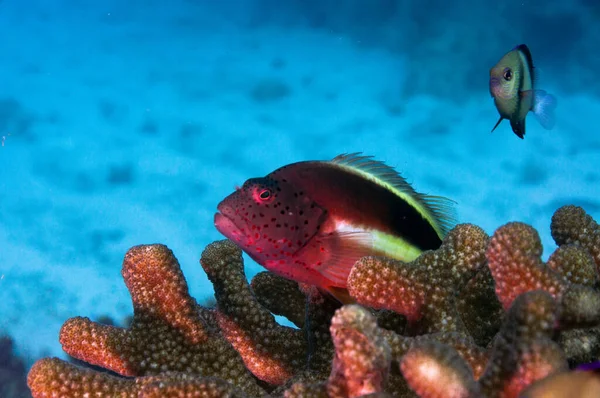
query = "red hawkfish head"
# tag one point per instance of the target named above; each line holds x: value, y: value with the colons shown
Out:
x: 270, y: 220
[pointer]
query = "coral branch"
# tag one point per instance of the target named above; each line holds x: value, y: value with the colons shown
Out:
x: 280, y: 296
x: 523, y: 351
x: 167, y: 333
x: 50, y: 376
x: 572, y: 225
x: 514, y: 259
x: 425, y: 289
x: 436, y: 370
x: 362, y: 359
x: 272, y: 352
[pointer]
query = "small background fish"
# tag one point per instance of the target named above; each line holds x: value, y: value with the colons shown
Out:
x: 311, y: 221
x: 512, y: 84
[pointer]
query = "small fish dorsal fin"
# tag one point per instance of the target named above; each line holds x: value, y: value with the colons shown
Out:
x: 528, y: 59
x: 438, y: 210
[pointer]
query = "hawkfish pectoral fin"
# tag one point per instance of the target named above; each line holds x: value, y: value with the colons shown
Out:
x: 518, y: 127
x: 340, y: 250
x: 497, y: 124
x: 544, y: 105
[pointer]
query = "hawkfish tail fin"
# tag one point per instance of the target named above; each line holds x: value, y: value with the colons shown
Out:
x: 544, y: 105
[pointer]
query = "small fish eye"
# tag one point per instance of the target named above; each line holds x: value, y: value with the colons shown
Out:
x: 264, y: 194
x: 507, y: 74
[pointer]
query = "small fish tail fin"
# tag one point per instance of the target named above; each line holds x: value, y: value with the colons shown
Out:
x: 543, y: 108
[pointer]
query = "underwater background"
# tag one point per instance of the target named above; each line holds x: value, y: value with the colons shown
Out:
x: 127, y: 122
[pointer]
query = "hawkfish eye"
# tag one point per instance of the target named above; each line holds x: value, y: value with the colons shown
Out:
x: 265, y: 194
x: 507, y: 74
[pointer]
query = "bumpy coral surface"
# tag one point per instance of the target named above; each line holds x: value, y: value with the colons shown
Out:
x: 478, y: 317
x: 425, y: 289
x: 168, y: 332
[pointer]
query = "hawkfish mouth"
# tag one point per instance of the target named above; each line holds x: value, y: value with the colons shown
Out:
x: 226, y: 226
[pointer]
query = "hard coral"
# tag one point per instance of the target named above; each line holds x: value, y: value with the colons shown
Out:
x: 571, y: 225
x: 273, y: 352
x: 53, y: 377
x: 425, y: 289
x: 522, y: 353
x: 360, y: 350
x: 514, y: 259
x: 454, y: 299
x: 168, y: 332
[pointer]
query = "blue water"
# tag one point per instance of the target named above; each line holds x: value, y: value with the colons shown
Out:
x: 126, y: 122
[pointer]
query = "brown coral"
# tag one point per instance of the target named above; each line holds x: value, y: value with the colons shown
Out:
x: 360, y: 350
x: 174, y: 347
x: 479, y: 307
x: 572, y: 225
x: 167, y: 334
x: 523, y: 352
x: 514, y: 258
x: 52, y: 377
x: 425, y: 289
x: 281, y: 296
x: 435, y: 370
x: 272, y: 352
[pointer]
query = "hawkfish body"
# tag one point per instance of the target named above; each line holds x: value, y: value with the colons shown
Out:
x: 311, y: 221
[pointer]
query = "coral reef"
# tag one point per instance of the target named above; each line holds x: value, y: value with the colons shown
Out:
x: 479, y: 316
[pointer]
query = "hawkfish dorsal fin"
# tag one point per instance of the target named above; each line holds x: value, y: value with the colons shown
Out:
x: 437, y: 210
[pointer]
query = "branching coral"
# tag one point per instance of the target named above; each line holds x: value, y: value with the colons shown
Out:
x: 458, y: 341
x: 274, y: 353
x: 167, y: 334
x: 514, y: 259
x: 522, y: 352
x: 53, y: 377
x: 571, y: 225
x: 425, y: 289
x: 360, y: 350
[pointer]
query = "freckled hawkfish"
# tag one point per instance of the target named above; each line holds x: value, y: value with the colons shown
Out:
x: 311, y: 221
